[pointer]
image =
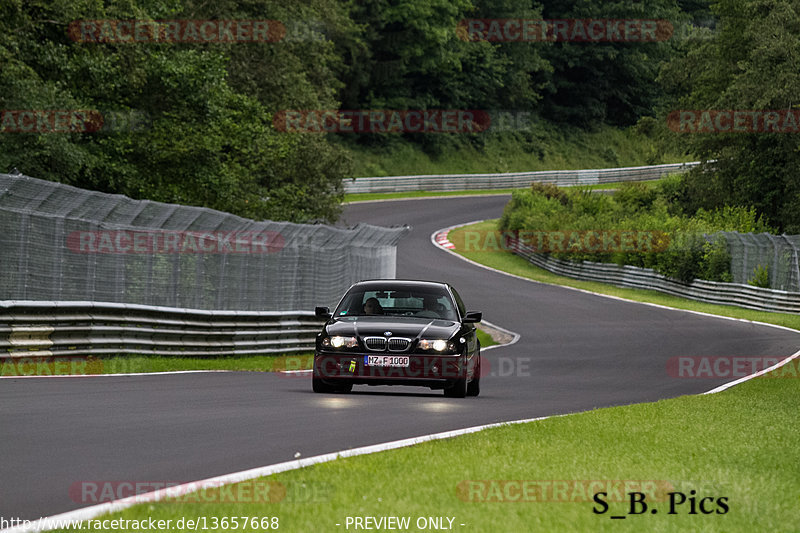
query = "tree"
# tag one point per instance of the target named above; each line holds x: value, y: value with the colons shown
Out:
x: 596, y: 83
x: 411, y: 55
x: 205, y: 137
x: 749, y: 64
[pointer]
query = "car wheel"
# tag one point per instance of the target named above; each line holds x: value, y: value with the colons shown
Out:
x: 320, y: 386
x: 457, y: 390
x: 474, y: 386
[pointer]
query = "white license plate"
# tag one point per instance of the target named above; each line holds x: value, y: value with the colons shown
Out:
x: 386, y: 360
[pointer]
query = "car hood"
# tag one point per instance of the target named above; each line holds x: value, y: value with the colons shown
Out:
x: 410, y: 327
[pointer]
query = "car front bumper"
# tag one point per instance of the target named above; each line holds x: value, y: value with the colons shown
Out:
x: 424, y: 370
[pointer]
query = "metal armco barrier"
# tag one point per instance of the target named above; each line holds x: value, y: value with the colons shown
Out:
x: 37, y: 328
x: 644, y: 278
x: 510, y: 180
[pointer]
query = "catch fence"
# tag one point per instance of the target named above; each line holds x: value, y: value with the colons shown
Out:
x: 775, y: 253
x: 62, y: 243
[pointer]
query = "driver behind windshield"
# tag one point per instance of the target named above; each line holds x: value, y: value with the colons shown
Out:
x: 372, y: 307
x: 431, y: 308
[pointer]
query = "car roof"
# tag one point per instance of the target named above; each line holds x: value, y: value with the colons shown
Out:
x: 389, y: 283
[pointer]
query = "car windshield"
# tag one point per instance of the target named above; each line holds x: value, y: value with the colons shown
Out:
x: 422, y: 303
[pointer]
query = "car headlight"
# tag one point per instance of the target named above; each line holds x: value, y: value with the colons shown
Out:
x: 437, y: 345
x: 340, y: 342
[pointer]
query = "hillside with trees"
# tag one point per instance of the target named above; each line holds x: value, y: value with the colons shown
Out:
x: 193, y: 122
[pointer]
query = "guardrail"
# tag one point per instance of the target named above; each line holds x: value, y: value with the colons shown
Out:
x: 37, y: 328
x: 510, y: 180
x: 714, y: 292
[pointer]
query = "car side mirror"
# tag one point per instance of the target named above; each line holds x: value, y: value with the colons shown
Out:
x: 322, y: 312
x: 473, y: 317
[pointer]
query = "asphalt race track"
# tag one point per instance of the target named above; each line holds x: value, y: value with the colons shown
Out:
x: 578, y: 351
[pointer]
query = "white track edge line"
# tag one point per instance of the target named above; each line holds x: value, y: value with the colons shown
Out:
x: 661, y: 306
x: 777, y: 365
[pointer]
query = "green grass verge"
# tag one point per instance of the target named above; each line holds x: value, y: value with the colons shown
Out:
x: 513, y: 264
x: 742, y: 444
x: 129, y: 364
x: 485, y: 339
x: 252, y: 363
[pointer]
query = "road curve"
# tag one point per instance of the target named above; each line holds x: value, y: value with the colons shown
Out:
x: 577, y: 352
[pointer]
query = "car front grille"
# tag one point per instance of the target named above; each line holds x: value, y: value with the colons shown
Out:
x: 398, y: 344
x: 381, y: 344
x: 376, y: 344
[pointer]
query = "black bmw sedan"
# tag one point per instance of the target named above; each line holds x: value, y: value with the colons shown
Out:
x: 398, y: 332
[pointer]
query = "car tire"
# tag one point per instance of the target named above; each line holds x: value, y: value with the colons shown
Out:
x: 320, y: 386
x: 474, y: 386
x: 457, y: 390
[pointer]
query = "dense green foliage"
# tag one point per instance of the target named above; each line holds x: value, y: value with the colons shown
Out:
x: 191, y: 122
x: 206, y: 136
x: 606, y: 82
x: 545, y: 146
x: 750, y: 62
x: 638, y: 208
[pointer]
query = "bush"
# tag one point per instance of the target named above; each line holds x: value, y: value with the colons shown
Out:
x: 548, y: 190
x: 735, y: 218
x: 683, y: 260
x: 586, y: 202
x: 717, y: 261
x: 760, y: 277
x: 689, y: 255
x: 634, y: 197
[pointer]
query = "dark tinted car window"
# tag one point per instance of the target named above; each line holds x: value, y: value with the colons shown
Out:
x: 428, y: 302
